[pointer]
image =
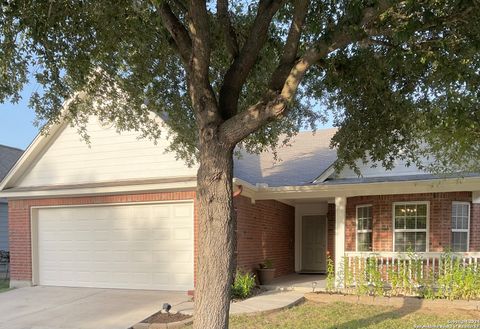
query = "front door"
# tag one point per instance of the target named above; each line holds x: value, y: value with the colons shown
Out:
x: 314, y: 243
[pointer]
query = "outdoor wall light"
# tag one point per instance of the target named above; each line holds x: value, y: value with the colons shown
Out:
x: 167, y: 307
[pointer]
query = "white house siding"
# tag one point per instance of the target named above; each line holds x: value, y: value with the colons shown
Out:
x: 3, y: 226
x: 110, y: 157
x: 366, y: 170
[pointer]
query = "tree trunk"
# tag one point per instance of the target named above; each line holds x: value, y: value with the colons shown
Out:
x: 216, y: 234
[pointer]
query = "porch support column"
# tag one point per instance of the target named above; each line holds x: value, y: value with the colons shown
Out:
x: 340, y: 214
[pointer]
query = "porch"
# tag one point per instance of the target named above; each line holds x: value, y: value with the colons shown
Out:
x: 298, y: 282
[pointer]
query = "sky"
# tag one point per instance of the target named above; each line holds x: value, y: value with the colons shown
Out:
x: 16, y: 121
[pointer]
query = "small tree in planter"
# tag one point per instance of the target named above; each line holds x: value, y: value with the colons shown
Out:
x: 266, y: 272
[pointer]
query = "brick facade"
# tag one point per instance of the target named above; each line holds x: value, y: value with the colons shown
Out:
x: 439, y: 226
x: 475, y: 227
x: 265, y: 230
x: 331, y: 231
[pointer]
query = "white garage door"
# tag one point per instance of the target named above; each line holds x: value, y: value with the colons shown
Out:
x: 147, y: 246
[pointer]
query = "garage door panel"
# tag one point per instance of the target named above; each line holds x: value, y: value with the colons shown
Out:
x: 120, y: 245
x: 161, y: 234
x: 134, y: 246
x: 160, y: 212
x: 182, y: 234
x: 101, y: 246
x: 182, y: 278
x: 183, y: 257
x: 178, y: 246
x: 182, y: 211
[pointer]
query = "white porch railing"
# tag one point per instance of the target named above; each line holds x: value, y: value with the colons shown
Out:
x: 414, y: 266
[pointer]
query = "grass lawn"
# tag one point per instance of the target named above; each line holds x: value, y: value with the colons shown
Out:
x: 4, y: 285
x: 342, y: 316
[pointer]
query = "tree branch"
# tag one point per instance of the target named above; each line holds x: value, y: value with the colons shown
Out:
x: 290, y: 51
x: 228, y: 31
x: 178, y: 32
x: 243, y: 64
x: 276, y: 104
x: 199, y: 32
x: 181, y: 5
x: 201, y: 92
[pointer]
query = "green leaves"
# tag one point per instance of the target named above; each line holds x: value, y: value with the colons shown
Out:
x: 407, y: 89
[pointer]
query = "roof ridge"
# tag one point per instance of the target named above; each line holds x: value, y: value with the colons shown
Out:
x: 318, y: 129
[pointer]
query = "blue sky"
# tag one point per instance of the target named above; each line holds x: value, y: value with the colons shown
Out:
x: 16, y: 121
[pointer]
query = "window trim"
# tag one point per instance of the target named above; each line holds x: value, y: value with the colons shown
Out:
x: 362, y: 231
x: 468, y: 223
x: 426, y: 230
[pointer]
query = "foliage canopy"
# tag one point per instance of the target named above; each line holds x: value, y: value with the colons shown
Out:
x: 402, y: 77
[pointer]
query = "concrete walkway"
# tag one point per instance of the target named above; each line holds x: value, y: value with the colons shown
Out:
x: 298, y: 282
x: 267, y: 302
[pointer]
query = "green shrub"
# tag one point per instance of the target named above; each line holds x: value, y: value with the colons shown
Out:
x: 374, y: 276
x: 243, y: 284
x: 452, y: 276
x: 348, y: 279
x: 330, y: 286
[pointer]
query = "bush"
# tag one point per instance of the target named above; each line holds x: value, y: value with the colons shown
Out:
x: 243, y: 284
x: 452, y: 276
x: 330, y: 287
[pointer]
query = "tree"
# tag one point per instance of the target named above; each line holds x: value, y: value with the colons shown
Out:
x: 402, y: 78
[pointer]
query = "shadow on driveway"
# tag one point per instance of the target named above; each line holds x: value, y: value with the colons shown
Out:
x: 85, y: 308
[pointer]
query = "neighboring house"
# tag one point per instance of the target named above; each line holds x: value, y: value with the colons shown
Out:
x: 121, y: 213
x: 8, y: 157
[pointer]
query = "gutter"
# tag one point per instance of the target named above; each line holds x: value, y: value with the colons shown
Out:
x: 264, y: 192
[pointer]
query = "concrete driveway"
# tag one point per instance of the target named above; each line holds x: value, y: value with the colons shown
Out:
x: 80, y: 308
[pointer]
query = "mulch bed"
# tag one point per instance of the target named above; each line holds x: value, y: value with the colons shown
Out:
x: 160, y: 317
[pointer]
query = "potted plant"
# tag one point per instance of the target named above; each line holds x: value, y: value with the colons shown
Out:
x: 266, y: 272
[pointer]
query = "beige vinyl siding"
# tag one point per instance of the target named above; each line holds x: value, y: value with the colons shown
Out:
x: 3, y: 226
x: 110, y: 157
x: 400, y: 169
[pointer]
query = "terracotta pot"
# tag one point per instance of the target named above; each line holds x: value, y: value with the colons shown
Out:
x: 266, y: 275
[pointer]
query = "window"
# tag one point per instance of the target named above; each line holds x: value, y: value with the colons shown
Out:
x: 460, y: 226
x: 410, y: 226
x: 364, y: 228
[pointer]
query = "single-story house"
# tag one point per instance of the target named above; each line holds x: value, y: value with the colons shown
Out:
x: 8, y: 157
x: 121, y: 212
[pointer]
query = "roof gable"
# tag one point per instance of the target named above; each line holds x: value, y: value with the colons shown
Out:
x: 373, y: 171
x: 64, y: 158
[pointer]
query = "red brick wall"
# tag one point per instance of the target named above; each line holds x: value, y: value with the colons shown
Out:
x: 19, y: 223
x: 265, y: 230
x: 439, y: 226
x: 475, y: 227
x: 331, y: 230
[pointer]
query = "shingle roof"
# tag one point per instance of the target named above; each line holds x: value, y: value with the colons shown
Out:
x: 8, y: 157
x: 299, y: 163
x: 399, y: 178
